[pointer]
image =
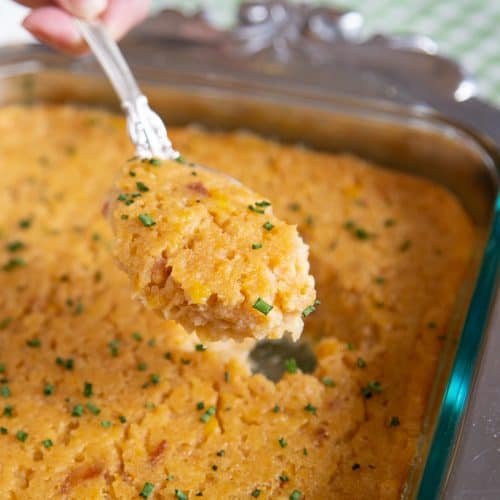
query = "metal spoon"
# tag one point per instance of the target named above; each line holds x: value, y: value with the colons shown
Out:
x: 149, y: 135
x: 146, y: 129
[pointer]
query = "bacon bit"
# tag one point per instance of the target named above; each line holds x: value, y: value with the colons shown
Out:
x: 160, y: 272
x: 79, y: 475
x: 322, y: 435
x: 156, y: 454
x: 198, y: 187
x: 105, y: 208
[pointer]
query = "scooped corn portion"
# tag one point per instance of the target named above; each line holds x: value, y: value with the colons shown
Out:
x: 206, y: 251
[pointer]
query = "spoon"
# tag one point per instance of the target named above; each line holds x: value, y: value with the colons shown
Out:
x: 149, y: 135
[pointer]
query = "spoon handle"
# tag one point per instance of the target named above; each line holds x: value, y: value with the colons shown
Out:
x: 146, y: 129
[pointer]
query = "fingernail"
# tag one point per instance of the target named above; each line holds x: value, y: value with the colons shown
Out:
x: 87, y: 9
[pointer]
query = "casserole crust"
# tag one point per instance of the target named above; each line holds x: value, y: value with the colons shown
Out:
x: 100, y: 397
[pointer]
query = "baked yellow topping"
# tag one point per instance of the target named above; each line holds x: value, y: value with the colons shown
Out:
x: 164, y: 411
x: 206, y: 251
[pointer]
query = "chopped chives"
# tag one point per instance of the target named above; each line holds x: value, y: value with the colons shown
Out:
x: 106, y: 424
x: 93, y: 409
x: 310, y: 309
x: 283, y: 442
x: 137, y: 336
x: 8, y: 411
x: 311, y: 408
x: 276, y: 408
x: 113, y: 347
x: 146, y: 220
x: 87, y: 389
x: 122, y: 419
x: 180, y: 495
x: 77, y: 411
x: 13, y: 263
x: 361, y: 363
x: 155, y: 162
x: 295, y: 495
x: 283, y: 478
x: 68, y: 363
x: 200, y: 405
x: 256, y: 210
x: 210, y: 412
x: 25, y: 223
x: 201, y: 347
x: 48, y: 389
x: 124, y: 217
x: 267, y: 226
x: 142, y: 366
x: 328, y: 382
x: 2, y: 367
x: 255, y: 493
x: 148, y: 488
x: 142, y: 187
x: 47, y: 443
x: 15, y: 246
x: 291, y: 365
x: 256, y: 246
x: 33, y: 342
x: 262, y: 203
x: 220, y: 453
x: 394, y: 422
x: 3, y: 430
x: 22, y: 436
x: 155, y: 378
x: 262, y: 306
x: 5, y: 391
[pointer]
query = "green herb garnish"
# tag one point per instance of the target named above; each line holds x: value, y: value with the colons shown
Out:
x: 146, y: 220
x: 47, y: 443
x: 256, y: 246
x: 154, y: 378
x: 262, y: 203
x: 283, y: 442
x: 93, y: 409
x: 311, y: 408
x: 137, y: 336
x: 220, y: 453
x: 310, y: 309
x: 262, y: 306
x: 48, y: 389
x: 15, y: 246
x: 8, y: 411
x: 283, y: 478
x: 34, y: 342
x: 142, y: 187
x: 291, y: 365
x: 328, y: 382
x: 295, y: 495
x: 148, y: 488
x: 267, y: 226
x: 68, y: 363
x: 210, y: 412
x: 5, y: 391
x: 394, y: 422
x: 25, y: 223
x: 87, y: 389
x: 114, y: 347
x: 361, y: 363
x: 256, y: 210
x: 122, y: 419
x: 21, y: 436
x: 180, y: 495
x: 13, y: 263
x: 142, y: 366
x: 201, y: 347
x: 256, y: 493
x: 276, y: 408
x: 106, y: 424
x: 155, y: 162
x: 77, y: 411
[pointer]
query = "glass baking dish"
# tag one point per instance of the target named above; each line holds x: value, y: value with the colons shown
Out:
x: 294, y: 90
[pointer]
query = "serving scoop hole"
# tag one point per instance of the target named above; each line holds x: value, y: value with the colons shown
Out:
x: 272, y: 358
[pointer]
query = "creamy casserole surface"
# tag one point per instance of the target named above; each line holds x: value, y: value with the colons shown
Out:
x: 100, y: 398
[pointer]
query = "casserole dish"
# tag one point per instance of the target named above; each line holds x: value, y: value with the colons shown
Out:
x: 305, y: 75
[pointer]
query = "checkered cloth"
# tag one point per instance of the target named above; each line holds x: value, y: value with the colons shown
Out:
x: 467, y: 30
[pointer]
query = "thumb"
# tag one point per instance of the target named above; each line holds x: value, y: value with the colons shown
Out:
x: 86, y: 9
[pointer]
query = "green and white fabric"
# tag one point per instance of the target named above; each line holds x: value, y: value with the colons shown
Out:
x: 467, y: 30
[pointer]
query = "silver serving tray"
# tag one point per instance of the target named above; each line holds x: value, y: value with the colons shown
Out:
x: 306, y: 74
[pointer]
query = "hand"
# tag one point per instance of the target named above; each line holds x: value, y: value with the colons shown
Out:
x: 51, y: 21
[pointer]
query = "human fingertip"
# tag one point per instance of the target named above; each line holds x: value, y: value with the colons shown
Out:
x: 86, y: 9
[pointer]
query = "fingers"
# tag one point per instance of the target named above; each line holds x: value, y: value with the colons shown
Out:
x: 55, y: 27
x: 86, y: 9
x: 121, y: 15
